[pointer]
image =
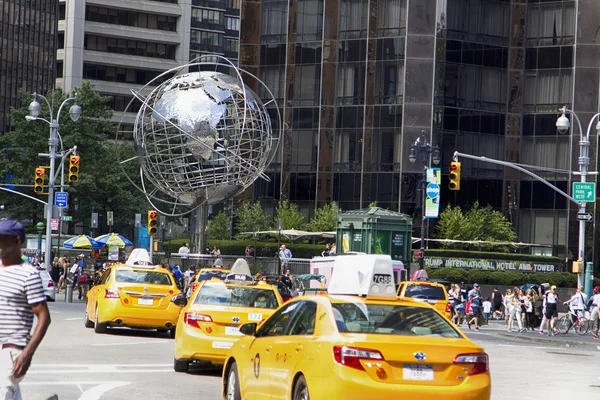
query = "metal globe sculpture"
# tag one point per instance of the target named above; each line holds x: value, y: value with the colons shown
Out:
x: 202, y: 137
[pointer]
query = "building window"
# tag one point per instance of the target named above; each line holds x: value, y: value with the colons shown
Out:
x: 547, y: 90
x: 274, y: 79
x: 391, y: 18
x: 479, y: 21
x: 129, y: 47
x: 233, y: 4
x: 60, y: 39
x: 207, y: 16
x: 59, y: 69
x: 309, y: 20
x: 206, y: 38
x: 351, y: 83
x: 232, y: 24
x: 131, y: 18
x: 353, y: 19
x: 276, y: 12
x: 123, y: 75
x: 232, y: 45
x: 550, y: 24
x: 62, y: 11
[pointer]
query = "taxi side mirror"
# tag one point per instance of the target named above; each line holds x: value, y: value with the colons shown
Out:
x: 249, y: 329
x: 181, y: 302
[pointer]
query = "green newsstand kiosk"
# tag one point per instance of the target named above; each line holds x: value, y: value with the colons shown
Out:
x: 375, y: 230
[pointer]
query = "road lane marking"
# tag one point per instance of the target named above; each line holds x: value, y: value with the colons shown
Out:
x: 73, y: 319
x: 94, y: 393
x: 91, y: 371
x: 130, y: 343
x: 95, y: 365
x: 98, y: 368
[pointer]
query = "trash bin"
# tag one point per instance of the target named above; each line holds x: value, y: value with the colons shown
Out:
x: 69, y: 294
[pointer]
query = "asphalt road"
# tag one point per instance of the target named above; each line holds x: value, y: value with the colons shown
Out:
x: 75, y: 363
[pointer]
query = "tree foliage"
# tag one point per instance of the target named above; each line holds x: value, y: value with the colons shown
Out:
x: 250, y: 218
x: 102, y: 186
x: 219, y: 227
x: 478, y: 223
x: 291, y: 217
x: 325, y: 219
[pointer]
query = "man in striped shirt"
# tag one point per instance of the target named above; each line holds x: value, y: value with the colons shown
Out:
x: 21, y: 297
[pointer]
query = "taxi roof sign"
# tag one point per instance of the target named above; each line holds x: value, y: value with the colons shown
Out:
x: 139, y: 258
x: 364, y: 275
x: 240, y: 272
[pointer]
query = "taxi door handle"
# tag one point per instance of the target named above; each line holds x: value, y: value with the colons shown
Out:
x: 299, y: 348
x: 269, y: 348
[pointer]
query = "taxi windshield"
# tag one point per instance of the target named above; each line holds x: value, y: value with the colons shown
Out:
x: 424, y: 291
x: 390, y: 319
x: 246, y: 296
x: 142, y: 276
x: 208, y: 275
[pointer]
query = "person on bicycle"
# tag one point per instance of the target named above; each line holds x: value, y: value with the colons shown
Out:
x: 551, y: 310
x: 594, y: 310
x: 577, y: 304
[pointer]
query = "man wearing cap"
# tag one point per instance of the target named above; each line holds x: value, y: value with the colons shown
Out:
x: 21, y: 297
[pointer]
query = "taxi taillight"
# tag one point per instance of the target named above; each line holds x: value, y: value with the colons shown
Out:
x: 448, y: 307
x: 480, y: 362
x: 351, y: 356
x: 192, y: 319
x: 111, y: 294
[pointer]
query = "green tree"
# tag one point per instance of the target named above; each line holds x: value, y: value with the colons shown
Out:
x: 372, y: 204
x: 325, y: 219
x: 477, y: 224
x: 291, y: 218
x: 102, y: 185
x: 219, y: 227
x: 250, y: 218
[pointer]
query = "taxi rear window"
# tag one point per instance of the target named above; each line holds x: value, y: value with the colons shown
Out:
x: 208, y: 275
x: 427, y: 292
x: 402, y: 320
x: 142, y: 276
x: 250, y: 296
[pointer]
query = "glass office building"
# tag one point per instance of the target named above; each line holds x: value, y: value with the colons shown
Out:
x: 27, y: 52
x: 357, y: 81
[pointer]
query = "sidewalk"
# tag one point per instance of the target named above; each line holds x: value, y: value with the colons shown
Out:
x: 60, y: 297
x: 571, y: 339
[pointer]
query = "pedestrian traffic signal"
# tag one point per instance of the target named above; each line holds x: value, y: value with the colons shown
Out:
x: 454, y: 176
x: 38, y: 183
x: 152, y: 222
x: 74, y: 169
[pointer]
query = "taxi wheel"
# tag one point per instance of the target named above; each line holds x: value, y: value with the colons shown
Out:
x: 233, y: 384
x: 301, y: 390
x: 181, y: 365
x: 88, y: 323
x: 98, y: 327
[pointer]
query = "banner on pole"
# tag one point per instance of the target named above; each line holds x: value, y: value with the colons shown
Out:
x: 432, y: 191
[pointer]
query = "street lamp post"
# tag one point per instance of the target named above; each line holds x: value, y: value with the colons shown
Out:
x: 54, y: 122
x: 563, y: 124
x: 425, y: 152
x: 40, y: 229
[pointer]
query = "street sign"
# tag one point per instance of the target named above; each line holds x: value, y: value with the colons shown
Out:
x: 432, y: 190
x: 584, y: 217
x: 54, y: 224
x: 584, y: 191
x: 418, y: 254
x: 61, y: 199
x: 67, y: 218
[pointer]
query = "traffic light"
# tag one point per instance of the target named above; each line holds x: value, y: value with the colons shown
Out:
x: 454, y: 176
x: 152, y: 222
x: 38, y: 185
x: 74, y: 169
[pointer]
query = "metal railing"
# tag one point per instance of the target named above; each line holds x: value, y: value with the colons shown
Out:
x: 266, y: 265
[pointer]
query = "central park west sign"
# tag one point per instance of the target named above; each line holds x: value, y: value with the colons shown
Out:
x: 490, y: 265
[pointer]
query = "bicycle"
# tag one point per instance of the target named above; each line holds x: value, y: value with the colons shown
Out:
x: 565, y: 323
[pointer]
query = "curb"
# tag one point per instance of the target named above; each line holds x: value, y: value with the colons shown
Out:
x: 559, y: 343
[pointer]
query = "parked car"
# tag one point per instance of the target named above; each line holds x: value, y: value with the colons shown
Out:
x: 49, y: 286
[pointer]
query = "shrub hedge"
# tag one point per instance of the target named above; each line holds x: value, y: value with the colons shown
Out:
x: 238, y: 247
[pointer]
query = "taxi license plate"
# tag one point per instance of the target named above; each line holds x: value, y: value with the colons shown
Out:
x: 232, y: 330
x: 417, y: 372
x: 145, y: 302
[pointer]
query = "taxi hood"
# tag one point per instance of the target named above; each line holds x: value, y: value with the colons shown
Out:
x: 369, y: 275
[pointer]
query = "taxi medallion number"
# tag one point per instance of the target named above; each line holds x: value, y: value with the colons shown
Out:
x: 145, y: 302
x: 417, y: 372
x: 254, y: 317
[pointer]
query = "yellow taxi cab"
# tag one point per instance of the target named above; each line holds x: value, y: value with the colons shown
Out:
x: 358, y: 341
x: 206, y: 274
x: 431, y: 293
x: 209, y: 323
x: 136, y: 295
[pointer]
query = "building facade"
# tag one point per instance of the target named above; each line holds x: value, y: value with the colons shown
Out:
x: 27, y: 51
x: 357, y: 81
